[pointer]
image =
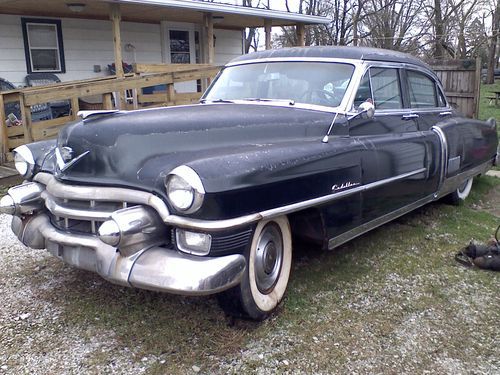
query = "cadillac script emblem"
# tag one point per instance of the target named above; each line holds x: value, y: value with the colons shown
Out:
x: 344, y: 185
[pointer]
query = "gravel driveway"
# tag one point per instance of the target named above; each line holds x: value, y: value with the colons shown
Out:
x: 393, y: 301
x: 34, y: 337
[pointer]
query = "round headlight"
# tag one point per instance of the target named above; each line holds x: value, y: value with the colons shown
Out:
x: 24, y: 161
x: 184, y: 189
x: 21, y: 165
x: 179, y: 192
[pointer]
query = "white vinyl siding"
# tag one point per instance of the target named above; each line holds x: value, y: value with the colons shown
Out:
x: 228, y: 45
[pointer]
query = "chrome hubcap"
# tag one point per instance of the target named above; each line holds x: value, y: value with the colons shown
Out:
x: 268, y: 258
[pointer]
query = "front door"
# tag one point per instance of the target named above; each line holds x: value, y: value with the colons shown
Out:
x: 182, y: 47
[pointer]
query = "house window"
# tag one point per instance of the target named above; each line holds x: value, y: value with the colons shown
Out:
x: 43, y: 45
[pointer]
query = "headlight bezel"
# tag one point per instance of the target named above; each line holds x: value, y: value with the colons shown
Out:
x: 187, y: 175
x: 24, y: 161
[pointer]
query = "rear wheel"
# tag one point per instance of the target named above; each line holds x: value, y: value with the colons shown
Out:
x: 461, y: 193
x: 269, y: 260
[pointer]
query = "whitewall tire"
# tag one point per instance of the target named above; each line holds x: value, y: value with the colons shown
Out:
x: 461, y: 193
x: 269, y: 261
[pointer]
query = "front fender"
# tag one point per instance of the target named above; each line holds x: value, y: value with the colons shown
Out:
x: 43, y: 155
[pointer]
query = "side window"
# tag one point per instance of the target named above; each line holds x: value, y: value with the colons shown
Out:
x: 386, y: 89
x: 422, y: 90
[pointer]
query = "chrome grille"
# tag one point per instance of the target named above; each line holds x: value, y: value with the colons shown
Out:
x: 81, y: 216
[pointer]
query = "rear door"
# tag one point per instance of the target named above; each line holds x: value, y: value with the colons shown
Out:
x: 402, y: 154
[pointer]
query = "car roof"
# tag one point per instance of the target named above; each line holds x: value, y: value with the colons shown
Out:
x: 338, y: 52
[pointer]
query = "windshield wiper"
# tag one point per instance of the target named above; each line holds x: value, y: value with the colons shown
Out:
x: 289, y: 101
x: 202, y: 101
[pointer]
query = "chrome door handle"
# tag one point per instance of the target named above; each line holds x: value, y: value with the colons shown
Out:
x: 410, y: 116
x: 445, y: 113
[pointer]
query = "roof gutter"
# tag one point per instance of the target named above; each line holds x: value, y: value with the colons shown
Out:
x: 231, y: 9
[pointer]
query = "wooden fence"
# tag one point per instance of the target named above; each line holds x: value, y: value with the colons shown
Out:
x: 123, y: 93
x: 461, y: 81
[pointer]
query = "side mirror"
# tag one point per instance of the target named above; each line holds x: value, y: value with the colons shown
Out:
x: 366, y: 109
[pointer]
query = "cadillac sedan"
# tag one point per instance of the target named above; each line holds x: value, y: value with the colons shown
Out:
x: 321, y: 143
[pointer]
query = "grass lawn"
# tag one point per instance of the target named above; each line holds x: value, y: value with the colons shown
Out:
x: 485, y: 109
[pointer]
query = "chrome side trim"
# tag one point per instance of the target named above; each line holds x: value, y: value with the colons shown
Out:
x: 449, y: 185
x: 284, y: 210
x: 153, y: 268
x: 358, y: 231
x: 99, y: 193
x: 113, y: 194
x: 444, y: 156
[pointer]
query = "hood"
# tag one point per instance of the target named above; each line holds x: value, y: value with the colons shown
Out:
x: 138, y: 148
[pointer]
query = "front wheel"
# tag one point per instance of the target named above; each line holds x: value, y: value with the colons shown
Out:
x: 461, y: 193
x: 264, y: 283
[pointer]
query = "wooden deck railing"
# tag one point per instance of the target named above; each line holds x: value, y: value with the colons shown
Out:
x: 116, y: 93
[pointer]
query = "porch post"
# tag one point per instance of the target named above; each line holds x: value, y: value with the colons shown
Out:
x: 301, y: 35
x: 115, y: 17
x: 267, y: 29
x: 210, y: 38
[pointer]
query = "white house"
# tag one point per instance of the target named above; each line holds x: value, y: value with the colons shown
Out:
x: 78, y: 39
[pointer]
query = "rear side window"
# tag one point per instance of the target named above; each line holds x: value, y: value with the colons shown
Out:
x: 422, y: 90
x: 386, y: 88
x: 441, y: 99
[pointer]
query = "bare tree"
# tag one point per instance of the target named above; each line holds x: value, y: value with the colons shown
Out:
x: 493, y: 44
x: 395, y: 24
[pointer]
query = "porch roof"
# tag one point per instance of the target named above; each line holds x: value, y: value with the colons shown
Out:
x: 154, y: 11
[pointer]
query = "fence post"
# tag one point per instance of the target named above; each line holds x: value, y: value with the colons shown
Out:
x: 107, y: 101
x: 26, y: 117
x: 75, y: 107
x: 170, y: 94
x: 477, y: 84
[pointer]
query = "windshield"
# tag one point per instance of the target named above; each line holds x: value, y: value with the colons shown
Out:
x: 314, y: 83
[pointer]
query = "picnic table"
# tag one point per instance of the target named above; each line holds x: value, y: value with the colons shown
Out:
x: 495, y: 96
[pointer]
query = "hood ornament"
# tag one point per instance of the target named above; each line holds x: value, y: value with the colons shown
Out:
x: 64, y: 158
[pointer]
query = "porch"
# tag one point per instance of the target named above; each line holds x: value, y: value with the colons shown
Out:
x: 115, y: 93
x: 173, y: 71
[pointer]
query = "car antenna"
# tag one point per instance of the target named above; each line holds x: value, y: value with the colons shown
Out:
x: 325, y: 138
x: 366, y: 109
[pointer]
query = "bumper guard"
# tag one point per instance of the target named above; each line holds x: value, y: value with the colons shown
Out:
x: 154, y: 268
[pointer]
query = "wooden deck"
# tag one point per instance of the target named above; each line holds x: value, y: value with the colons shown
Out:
x: 9, y: 175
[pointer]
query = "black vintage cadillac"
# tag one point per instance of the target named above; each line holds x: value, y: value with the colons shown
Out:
x: 321, y: 144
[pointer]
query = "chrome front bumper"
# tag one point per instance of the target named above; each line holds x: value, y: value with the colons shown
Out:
x: 154, y: 268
